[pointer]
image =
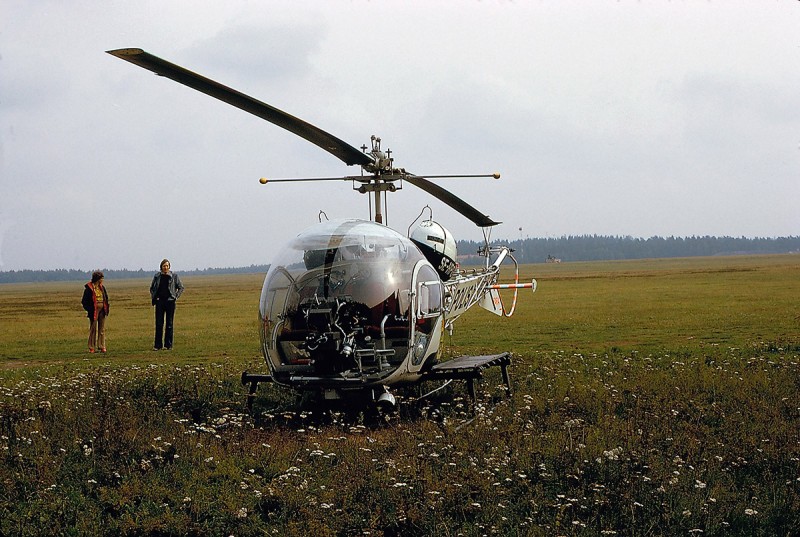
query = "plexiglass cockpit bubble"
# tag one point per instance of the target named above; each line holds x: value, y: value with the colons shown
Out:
x: 339, y: 298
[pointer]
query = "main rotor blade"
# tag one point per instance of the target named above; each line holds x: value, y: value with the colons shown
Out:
x: 338, y: 148
x: 452, y: 200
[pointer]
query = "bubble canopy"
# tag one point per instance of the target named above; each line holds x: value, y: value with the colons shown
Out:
x: 366, y: 266
x: 356, y: 249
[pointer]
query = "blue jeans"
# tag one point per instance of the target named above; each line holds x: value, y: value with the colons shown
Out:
x: 165, y: 309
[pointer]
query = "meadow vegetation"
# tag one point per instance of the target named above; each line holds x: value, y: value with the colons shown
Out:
x: 651, y: 397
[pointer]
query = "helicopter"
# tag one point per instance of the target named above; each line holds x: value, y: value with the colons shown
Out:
x: 351, y: 309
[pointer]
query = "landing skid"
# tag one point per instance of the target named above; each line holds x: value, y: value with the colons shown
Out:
x: 468, y: 368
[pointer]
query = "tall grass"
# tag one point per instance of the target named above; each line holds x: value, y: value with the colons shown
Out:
x: 650, y: 398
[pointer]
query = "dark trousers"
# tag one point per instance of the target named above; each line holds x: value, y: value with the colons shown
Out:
x: 97, y: 331
x: 165, y: 309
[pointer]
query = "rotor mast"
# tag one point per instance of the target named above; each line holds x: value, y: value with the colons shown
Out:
x: 381, y: 164
x: 378, y: 212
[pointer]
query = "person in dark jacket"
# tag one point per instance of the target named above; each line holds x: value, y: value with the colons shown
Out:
x: 165, y: 290
x: 95, y: 302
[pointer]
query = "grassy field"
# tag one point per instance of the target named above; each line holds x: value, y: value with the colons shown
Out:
x: 655, y: 397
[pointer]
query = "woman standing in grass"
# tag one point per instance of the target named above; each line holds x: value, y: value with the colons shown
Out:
x: 95, y: 302
x: 165, y: 289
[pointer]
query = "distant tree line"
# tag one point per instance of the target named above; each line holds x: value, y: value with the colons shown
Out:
x: 530, y: 250
x: 600, y: 247
x: 62, y: 275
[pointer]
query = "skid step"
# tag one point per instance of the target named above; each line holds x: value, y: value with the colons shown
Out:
x: 253, y: 379
x: 470, y: 368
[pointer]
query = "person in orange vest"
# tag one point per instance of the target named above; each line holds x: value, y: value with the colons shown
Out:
x: 95, y: 302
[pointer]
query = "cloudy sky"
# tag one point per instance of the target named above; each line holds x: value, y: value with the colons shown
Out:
x: 611, y: 117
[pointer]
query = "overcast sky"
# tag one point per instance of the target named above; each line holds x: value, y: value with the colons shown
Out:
x: 613, y: 118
